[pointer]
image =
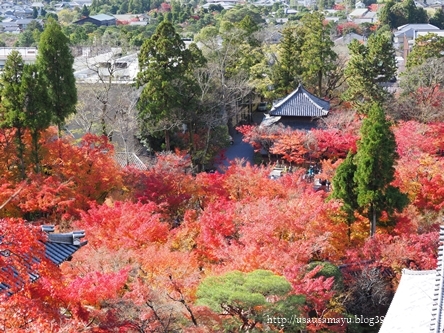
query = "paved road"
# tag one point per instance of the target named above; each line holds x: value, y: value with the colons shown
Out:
x: 238, y: 150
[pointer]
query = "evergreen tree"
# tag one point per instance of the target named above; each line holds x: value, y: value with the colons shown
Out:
x: 55, y: 61
x: 316, y: 53
x: 36, y: 107
x: 85, y: 11
x: 244, y: 298
x: 135, y: 6
x: 344, y: 188
x: 25, y: 104
x: 169, y: 90
x: 12, y: 104
x: 369, y: 65
x: 396, y: 14
x: 25, y: 39
x: 375, y: 168
x: 287, y: 70
x: 415, y: 14
x: 438, y: 18
x: 426, y: 47
x: 373, y: 171
x: 305, y: 55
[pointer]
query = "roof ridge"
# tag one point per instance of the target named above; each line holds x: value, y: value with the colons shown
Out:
x: 298, y: 103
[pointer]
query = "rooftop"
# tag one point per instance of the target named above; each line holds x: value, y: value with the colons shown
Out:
x: 102, y: 17
x: 301, y: 103
x: 58, y: 248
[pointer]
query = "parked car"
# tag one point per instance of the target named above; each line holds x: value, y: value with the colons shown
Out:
x: 262, y: 107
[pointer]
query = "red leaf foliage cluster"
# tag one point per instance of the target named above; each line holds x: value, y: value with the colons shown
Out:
x: 154, y: 235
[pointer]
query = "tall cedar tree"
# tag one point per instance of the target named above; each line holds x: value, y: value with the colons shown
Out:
x: 12, y: 115
x: 316, y: 54
x: 369, y: 65
x: 287, y: 71
x: 169, y: 90
x: 373, y: 168
x: 344, y: 188
x: 305, y: 54
x: 25, y: 106
x: 55, y: 61
x: 36, y: 106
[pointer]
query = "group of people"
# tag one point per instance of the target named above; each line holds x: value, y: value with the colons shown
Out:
x: 313, y: 170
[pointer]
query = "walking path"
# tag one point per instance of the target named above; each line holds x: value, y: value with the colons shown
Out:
x: 238, y: 150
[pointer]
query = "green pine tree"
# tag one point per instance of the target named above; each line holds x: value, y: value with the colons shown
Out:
x: 243, y: 299
x: 369, y: 65
x: 85, y: 11
x: 169, y: 90
x: 55, y: 61
x: 426, y: 47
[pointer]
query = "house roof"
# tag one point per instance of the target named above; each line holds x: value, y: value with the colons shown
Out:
x: 102, y: 17
x: 348, y: 38
x: 418, y: 304
x: 301, y: 103
x: 359, y: 12
x: 414, y: 27
x: 268, y: 121
x: 59, y: 247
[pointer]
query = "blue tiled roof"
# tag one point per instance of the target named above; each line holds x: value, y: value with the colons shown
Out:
x: 300, y: 103
x: 59, y: 253
x: 58, y: 248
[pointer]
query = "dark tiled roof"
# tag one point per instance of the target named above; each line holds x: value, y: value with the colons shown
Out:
x: 58, y: 248
x: 61, y: 247
x: 300, y: 103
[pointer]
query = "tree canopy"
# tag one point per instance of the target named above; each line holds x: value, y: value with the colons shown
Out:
x: 244, y: 297
x: 368, y: 67
x: 55, y: 61
x: 373, y: 171
x: 305, y: 55
x: 169, y: 90
x: 426, y: 47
